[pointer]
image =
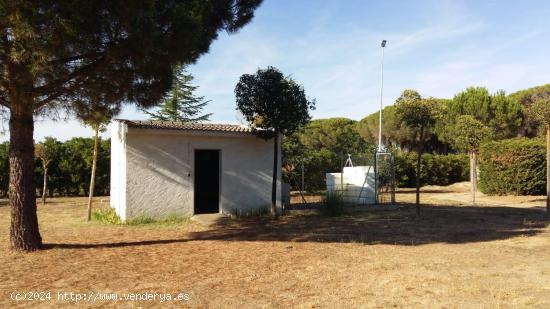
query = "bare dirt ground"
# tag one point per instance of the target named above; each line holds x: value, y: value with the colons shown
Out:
x: 453, y: 256
x: 459, y: 193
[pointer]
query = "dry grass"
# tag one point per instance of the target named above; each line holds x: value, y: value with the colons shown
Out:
x: 454, y: 256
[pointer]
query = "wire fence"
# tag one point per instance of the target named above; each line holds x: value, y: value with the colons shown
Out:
x: 361, y: 179
x: 385, y: 177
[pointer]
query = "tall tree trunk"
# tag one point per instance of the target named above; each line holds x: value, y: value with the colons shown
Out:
x: 548, y: 170
x: 274, y: 182
x: 418, y: 165
x: 92, y: 180
x: 45, y: 187
x: 24, y: 232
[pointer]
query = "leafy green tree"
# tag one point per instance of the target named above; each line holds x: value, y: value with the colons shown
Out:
x: 315, y: 163
x: 75, y: 165
x: 55, y: 149
x: 69, y: 170
x: 468, y: 134
x: 393, y: 132
x: 397, y: 134
x: 318, y: 148
x: 539, y: 111
x: 530, y: 125
x: 55, y: 52
x: 294, y: 161
x: 97, y: 115
x: 474, y: 101
x: 181, y: 104
x: 337, y: 135
x: 275, y: 106
x: 420, y: 115
x: 502, y: 114
x: 45, y: 151
x: 507, y: 116
x: 530, y: 95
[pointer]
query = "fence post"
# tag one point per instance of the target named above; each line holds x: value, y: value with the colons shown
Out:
x: 376, y: 177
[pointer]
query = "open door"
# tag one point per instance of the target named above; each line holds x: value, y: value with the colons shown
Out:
x: 207, y: 181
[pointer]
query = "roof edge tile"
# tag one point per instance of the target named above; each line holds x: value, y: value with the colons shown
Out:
x: 186, y: 126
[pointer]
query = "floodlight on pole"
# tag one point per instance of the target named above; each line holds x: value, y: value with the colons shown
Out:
x: 380, y: 146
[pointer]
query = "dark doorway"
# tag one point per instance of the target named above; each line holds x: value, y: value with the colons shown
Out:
x: 207, y: 181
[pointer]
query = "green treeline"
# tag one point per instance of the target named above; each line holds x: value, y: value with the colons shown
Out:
x: 511, y: 162
x: 322, y: 146
x: 69, y: 170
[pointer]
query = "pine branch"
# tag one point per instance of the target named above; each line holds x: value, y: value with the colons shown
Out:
x: 180, y: 104
x: 75, y: 58
x: 55, y: 85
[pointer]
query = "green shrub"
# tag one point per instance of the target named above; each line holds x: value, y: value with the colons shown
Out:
x: 439, y: 170
x: 514, y: 166
x: 106, y: 215
x: 333, y: 204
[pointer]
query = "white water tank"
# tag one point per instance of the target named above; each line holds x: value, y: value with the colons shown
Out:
x: 356, y: 184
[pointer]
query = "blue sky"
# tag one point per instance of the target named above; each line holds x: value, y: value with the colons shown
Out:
x: 333, y: 49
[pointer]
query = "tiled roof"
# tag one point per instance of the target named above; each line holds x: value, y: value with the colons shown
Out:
x: 186, y: 126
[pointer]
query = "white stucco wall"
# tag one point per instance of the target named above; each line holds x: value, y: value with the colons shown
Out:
x: 118, y: 168
x: 159, y: 175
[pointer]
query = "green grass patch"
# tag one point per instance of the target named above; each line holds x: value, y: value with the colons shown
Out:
x: 168, y: 220
x: 106, y: 215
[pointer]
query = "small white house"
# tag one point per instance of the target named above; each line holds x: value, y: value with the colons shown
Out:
x: 161, y: 168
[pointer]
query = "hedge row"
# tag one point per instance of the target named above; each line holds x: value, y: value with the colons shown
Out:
x: 515, y: 166
x: 439, y: 170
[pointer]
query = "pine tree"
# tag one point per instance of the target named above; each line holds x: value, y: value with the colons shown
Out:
x: 181, y: 104
x: 54, y: 53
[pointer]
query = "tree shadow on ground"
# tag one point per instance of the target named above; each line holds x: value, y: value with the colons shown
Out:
x: 430, y: 191
x: 437, y: 224
x: 542, y: 199
x: 112, y: 245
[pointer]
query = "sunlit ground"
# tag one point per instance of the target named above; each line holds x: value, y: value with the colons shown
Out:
x: 454, y: 256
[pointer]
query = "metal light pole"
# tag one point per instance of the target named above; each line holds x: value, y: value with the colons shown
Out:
x: 380, y: 147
